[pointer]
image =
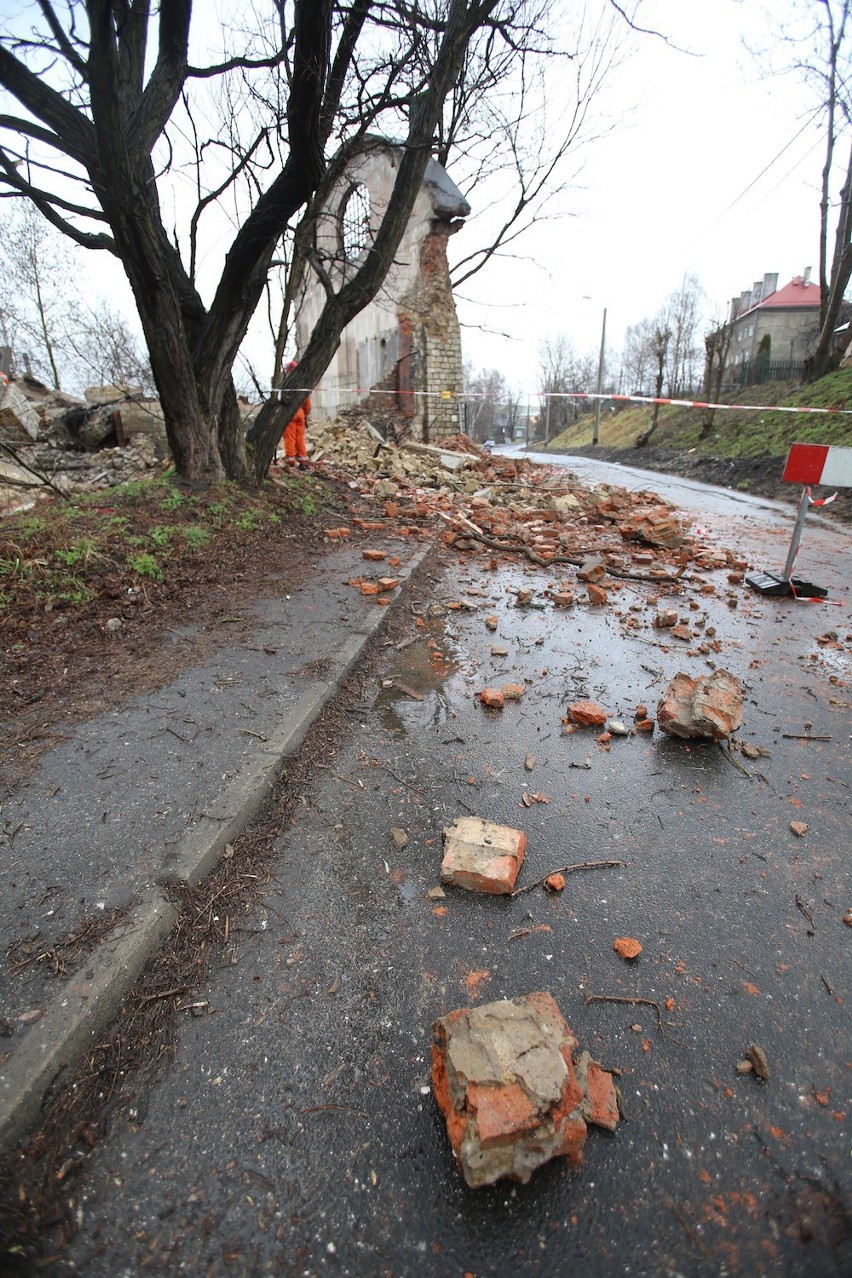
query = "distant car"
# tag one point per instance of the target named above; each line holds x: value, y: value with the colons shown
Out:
x: 489, y: 443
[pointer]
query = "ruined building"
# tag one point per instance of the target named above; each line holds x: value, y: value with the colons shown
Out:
x: 400, y: 358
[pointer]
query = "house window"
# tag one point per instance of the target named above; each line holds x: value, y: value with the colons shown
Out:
x: 355, y: 233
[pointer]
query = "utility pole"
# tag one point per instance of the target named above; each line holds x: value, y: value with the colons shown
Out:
x: 597, y: 427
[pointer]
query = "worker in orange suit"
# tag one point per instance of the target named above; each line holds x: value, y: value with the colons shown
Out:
x: 295, y: 449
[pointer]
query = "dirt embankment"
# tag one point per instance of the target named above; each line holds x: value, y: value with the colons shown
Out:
x: 759, y: 475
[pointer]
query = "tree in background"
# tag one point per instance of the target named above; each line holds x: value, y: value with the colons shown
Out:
x: 39, y: 300
x: 717, y: 344
x: 816, y: 44
x: 661, y: 336
x: 488, y: 404
x: 564, y: 375
x: 637, y: 359
x: 53, y: 333
x: 683, y: 318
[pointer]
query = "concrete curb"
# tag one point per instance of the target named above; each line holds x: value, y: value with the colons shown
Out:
x: 83, y: 1007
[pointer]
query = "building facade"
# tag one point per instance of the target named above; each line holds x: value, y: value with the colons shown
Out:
x: 772, y: 330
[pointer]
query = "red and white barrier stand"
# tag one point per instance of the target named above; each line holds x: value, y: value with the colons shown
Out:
x: 806, y: 464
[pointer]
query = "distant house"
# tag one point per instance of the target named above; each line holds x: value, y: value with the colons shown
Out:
x: 400, y: 358
x: 772, y: 330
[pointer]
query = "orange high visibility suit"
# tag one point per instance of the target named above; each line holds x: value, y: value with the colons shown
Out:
x: 295, y: 448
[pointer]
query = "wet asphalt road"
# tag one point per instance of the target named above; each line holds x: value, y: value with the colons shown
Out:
x: 297, y: 1133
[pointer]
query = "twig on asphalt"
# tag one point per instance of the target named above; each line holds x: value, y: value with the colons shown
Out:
x: 635, y: 999
x: 727, y: 753
x: 802, y: 736
x: 564, y: 869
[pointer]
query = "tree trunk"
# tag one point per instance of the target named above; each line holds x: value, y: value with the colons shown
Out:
x: 824, y: 358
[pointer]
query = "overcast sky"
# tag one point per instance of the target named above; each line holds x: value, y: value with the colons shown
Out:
x: 712, y: 170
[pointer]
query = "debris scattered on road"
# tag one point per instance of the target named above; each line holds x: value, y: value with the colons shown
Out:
x: 708, y: 707
x: 799, y: 828
x: 482, y: 856
x: 399, y: 838
x: 504, y: 1078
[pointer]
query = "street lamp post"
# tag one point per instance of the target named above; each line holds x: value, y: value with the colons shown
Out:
x: 597, y: 426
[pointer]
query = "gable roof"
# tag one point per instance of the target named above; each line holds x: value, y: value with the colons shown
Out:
x: 799, y: 294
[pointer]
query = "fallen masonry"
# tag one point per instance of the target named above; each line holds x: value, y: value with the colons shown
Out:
x: 512, y: 1095
x: 482, y: 856
x: 708, y: 707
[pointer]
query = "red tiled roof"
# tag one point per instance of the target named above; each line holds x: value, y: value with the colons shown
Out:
x: 793, y: 295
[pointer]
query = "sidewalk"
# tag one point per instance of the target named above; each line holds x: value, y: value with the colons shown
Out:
x: 151, y: 793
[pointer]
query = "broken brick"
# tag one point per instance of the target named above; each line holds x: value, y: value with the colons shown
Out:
x: 600, y: 1104
x: 799, y: 828
x: 556, y: 882
x: 593, y: 569
x: 627, y: 947
x: 706, y: 707
x: 597, y: 594
x: 665, y: 619
x: 503, y: 1076
x: 587, y: 714
x: 513, y: 691
x: 369, y: 588
x: 374, y: 556
x: 492, y: 697
x: 482, y: 856
x: 388, y: 583
x: 563, y: 599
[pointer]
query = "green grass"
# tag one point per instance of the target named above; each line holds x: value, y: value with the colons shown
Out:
x: 196, y: 536
x: 145, y: 565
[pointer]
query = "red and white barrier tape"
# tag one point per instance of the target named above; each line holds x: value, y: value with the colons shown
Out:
x: 544, y: 395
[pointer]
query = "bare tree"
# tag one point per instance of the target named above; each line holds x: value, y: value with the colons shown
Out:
x: 817, y: 46
x: 108, y: 352
x: 717, y: 344
x: 564, y: 375
x: 39, y: 297
x: 637, y: 360
x: 487, y: 397
x: 683, y: 311
x: 106, y: 102
x: 662, y: 336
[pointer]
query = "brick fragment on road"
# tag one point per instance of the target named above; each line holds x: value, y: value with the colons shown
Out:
x: 503, y: 1076
x: 597, y: 594
x: 374, y: 556
x: 482, y: 856
x: 706, y: 707
x: 592, y: 569
x: 563, y: 599
x: 665, y: 619
x: 799, y: 828
x: 587, y: 714
x: 492, y: 697
x: 513, y: 691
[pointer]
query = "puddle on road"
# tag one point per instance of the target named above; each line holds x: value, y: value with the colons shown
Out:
x: 427, y: 666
